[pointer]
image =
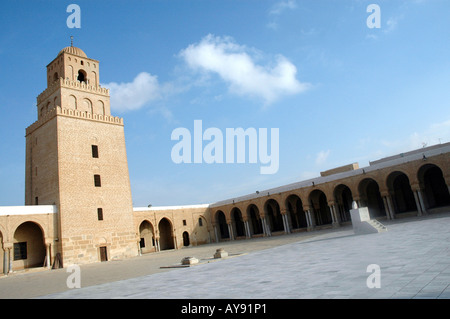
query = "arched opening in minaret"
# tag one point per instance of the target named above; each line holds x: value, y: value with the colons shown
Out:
x: 81, y: 76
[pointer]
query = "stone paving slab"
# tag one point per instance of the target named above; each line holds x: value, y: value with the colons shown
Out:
x: 413, y: 256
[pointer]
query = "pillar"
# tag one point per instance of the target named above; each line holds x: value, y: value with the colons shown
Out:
x: 10, y: 260
x: 391, y: 207
x: 310, y: 219
x: 284, y: 217
x: 334, y: 214
x: 386, y: 208
x: 247, y: 229
x: 174, y: 238
x: 265, y: 227
x: 230, y: 230
x: 419, y: 207
x: 47, y: 246
x: 216, y: 234
x: 139, y: 248
x: 421, y: 201
x: 5, y: 261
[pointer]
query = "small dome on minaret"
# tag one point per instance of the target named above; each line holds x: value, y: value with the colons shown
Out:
x: 74, y: 51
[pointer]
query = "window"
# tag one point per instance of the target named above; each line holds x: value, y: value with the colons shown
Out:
x: 20, y: 251
x: 97, y: 181
x: 200, y: 221
x: 81, y: 76
x: 100, y: 213
x: 94, y: 151
x: 36, y: 201
x: 184, y: 222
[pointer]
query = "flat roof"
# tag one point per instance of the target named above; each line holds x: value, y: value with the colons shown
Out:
x: 379, y: 164
x: 28, y: 210
x: 158, y: 208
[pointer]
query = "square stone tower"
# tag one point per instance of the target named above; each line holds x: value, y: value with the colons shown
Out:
x: 76, y: 159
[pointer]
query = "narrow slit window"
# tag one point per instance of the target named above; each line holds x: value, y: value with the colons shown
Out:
x: 100, y: 213
x: 97, y: 181
x: 95, y: 151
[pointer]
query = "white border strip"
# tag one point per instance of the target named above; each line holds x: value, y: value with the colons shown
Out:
x: 158, y: 208
x: 28, y: 210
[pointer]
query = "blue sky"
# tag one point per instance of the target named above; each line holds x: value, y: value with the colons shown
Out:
x: 338, y: 91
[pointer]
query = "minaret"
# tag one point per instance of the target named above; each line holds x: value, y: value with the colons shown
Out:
x: 76, y: 159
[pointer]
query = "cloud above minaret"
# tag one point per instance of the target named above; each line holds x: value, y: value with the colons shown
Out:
x: 130, y: 96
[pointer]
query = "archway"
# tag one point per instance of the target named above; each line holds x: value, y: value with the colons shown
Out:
x: 238, y: 222
x: 370, y: 195
x: 165, y: 235
x: 434, y: 186
x: 255, y: 219
x: 344, y: 199
x: 29, y: 246
x: 147, y: 237
x: 223, y: 227
x: 402, y: 195
x: 319, y: 204
x: 273, y: 214
x: 82, y: 76
x: 295, y: 210
x: 186, y: 241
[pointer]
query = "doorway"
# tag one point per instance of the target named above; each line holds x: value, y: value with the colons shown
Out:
x: 103, y: 254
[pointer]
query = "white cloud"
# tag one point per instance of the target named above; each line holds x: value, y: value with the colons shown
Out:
x: 234, y: 64
x: 136, y: 94
x: 281, y: 6
x: 278, y: 9
x: 322, y: 156
x: 391, y: 24
x: 437, y: 133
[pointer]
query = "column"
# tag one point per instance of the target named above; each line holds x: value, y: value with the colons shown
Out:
x: 5, y: 261
x: 333, y: 220
x: 266, y: 227
x: 421, y: 201
x: 48, y: 256
x: 216, y: 234
x: 285, y: 221
x: 10, y: 260
x: 386, y: 208
x: 139, y: 248
x: 175, y: 244
x: 391, y: 206
x: 247, y: 229
x: 230, y: 230
x: 310, y: 219
x: 419, y: 207
x: 334, y: 215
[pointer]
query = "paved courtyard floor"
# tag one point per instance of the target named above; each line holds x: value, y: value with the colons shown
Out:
x: 413, y: 257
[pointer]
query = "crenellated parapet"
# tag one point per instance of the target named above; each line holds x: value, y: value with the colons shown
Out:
x: 89, y: 116
x: 76, y: 85
x: 62, y: 111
